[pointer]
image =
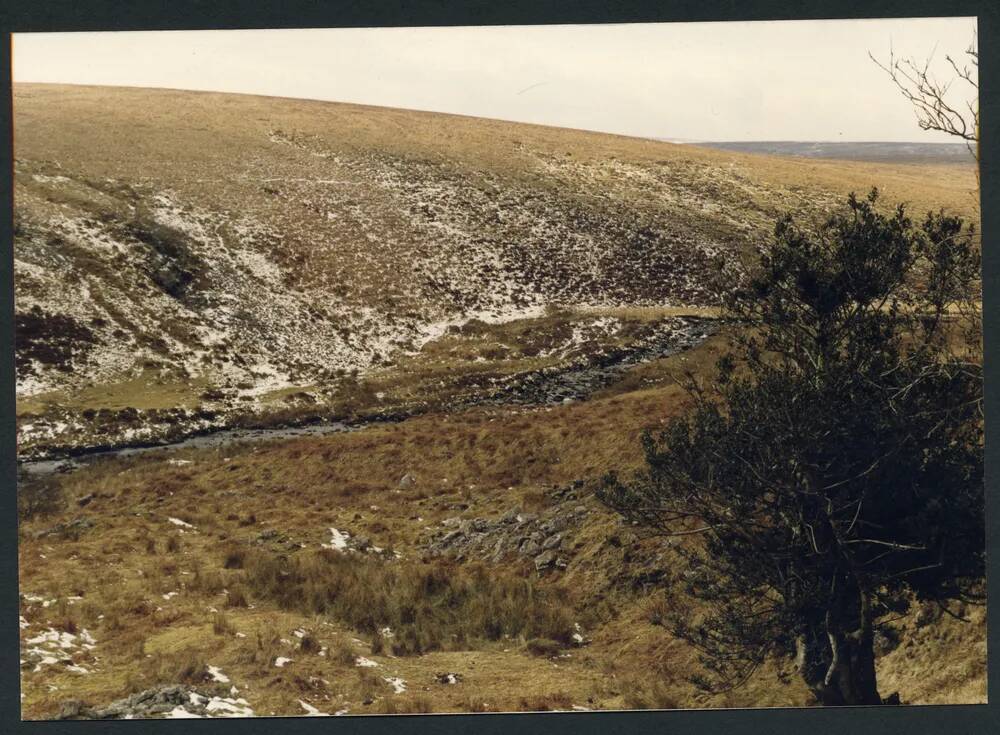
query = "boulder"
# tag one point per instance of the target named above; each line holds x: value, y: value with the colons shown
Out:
x: 545, y: 560
x: 510, y: 516
x: 552, y: 541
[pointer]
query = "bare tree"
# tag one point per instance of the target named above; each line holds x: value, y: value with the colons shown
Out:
x: 929, y: 97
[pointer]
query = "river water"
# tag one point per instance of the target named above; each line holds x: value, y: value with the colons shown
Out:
x: 552, y: 386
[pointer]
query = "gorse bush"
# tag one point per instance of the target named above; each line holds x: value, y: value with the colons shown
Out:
x: 833, y: 472
x: 428, y: 606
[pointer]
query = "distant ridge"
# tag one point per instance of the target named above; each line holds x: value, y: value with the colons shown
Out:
x: 881, y: 151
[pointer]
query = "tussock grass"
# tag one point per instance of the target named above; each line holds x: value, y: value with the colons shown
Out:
x: 546, y: 702
x: 237, y: 597
x: 409, y: 705
x: 301, y: 488
x: 432, y: 606
x: 221, y: 625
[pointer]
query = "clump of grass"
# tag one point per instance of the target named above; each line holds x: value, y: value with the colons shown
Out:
x: 309, y: 643
x: 343, y: 653
x: 646, y: 695
x: 221, y: 625
x: 234, y: 558
x: 546, y: 702
x: 261, y: 651
x: 173, y: 544
x: 207, y: 582
x: 476, y: 704
x: 370, y: 685
x: 543, y: 647
x: 657, y: 610
x: 430, y: 606
x: 419, y: 704
x: 67, y: 624
x: 237, y: 597
x: 187, y: 667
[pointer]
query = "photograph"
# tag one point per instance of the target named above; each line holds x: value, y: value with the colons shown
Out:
x: 498, y: 369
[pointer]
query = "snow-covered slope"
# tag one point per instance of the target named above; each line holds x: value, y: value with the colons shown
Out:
x: 236, y: 245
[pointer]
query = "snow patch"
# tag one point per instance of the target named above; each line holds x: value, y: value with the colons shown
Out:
x: 216, y: 673
x: 338, y: 540
x: 311, y: 711
x: 397, y: 684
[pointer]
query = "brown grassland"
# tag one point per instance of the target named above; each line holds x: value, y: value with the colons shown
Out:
x: 475, y: 464
x: 180, y: 560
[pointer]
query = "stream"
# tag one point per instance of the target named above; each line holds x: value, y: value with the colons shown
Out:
x: 574, y: 381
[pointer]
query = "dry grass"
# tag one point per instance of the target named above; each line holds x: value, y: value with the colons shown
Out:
x: 484, y: 144
x: 165, y: 601
x: 477, y: 464
x: 429, y: 607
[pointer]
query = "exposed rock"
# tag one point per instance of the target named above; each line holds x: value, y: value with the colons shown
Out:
x: 536, y: 536
x: 545, y: 560
x: 530, y: 547
x: 162, y: 701
x: 511, y: 516
x: 407, y: 481
x: 67, y: 529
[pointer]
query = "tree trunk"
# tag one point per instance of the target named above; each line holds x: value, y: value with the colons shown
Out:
x: 839, y: 669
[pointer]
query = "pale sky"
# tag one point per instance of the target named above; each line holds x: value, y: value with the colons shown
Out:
x: 774, y: 80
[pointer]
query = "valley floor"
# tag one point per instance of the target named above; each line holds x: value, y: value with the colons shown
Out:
x: 455, y: 561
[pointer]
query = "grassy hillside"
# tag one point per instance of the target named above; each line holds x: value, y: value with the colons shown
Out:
x: 246, y: 260
x: 225, y: 249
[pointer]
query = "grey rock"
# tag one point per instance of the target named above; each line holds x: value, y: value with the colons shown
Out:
x: 451, y: 536
x: 71, y: 528
x: 71, y: 710
x: 148, y: 703
x: 552, y: 541
x: 407, y: 481
x: 545, y: 560
x: 510, y: 516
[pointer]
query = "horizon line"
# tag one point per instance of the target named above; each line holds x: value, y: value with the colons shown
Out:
x: 653, y: 138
